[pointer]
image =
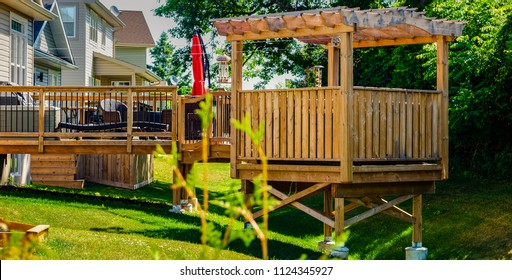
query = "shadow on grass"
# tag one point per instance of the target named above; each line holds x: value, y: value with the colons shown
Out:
x: 277, y: 249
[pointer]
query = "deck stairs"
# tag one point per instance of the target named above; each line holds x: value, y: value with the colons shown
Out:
x: 56, y: 170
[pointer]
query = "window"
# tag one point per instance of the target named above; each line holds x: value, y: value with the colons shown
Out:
x: 53, y: 78
x: 103, y: 32
x: 94, y: 81
x: 68, y: 16
x: 18, y: 55
x: 121, y: 83
x: 93, y: 27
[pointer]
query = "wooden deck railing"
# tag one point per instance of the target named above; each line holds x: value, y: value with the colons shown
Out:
x: 189, y: 129
x: 305, y: 124
x: 87, y: 112
x: 300, y: 124
x: 396, y: 124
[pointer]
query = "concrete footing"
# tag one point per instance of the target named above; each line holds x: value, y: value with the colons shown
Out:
x: 416, y: 252
x: 339, y: 253
x: 326, y: 245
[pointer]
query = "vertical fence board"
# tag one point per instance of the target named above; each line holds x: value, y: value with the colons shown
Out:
x: 328, y: 123
x: 409, y: 126
x: 416, y: 124
x: 305, y: 124
x: 320, y: 124
x: 383, y: 123
x: 389, y: 131
x: 362, y: 125
x: 268, y: 124
x: 298, y: 123
x: 428, y: 133
x: 422, y: 134
x: 375, y: 125
x: 369, y: 123
x: 290, y: 124
x: 275, y: 123
x: 402, y: 125
x: 282, y: 124
x: 312, y: 123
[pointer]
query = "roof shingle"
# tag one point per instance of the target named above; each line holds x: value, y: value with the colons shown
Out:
x: 136, y: 32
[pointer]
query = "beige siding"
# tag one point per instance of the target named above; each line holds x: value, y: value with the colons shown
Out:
x: 30, y: 53
x: 133, y: 55
x: 92, y: 46
x: 4, y: 43
x: 46, y: 42
x: 78, y: 46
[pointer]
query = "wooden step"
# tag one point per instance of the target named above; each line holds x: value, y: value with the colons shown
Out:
x: 43, y: 163
x: 53, y: 170
x: 71, y: 184
x: 46, y: 177
x: 37, y: 157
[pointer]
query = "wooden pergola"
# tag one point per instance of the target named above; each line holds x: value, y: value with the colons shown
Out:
x: 355, y: 144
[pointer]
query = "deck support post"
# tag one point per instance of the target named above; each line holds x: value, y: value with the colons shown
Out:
x: 340, y: 251
x: 328, y: 243
x: 417, y: 251
x: 443, y: 86
x: 346, y: 118
x: 248, y: 190
x: 179, y: 193
x: 236, y: 87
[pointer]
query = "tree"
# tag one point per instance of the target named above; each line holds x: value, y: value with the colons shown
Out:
x: 167, y: 62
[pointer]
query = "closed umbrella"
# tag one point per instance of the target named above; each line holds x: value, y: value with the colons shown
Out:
x: 199, y: 64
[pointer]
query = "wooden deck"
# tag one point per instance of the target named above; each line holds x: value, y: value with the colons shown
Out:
x: 35, y: 127
x: 395, y: 135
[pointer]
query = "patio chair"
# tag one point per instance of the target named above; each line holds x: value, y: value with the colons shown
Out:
x: 113, y: 110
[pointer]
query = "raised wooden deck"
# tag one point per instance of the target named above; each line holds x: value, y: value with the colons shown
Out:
x: 394, y: 135
x: 54, y: 122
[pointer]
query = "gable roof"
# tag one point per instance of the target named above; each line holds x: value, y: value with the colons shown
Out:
x: 136, y: 32
x: 31, y: 8
x: 63, y: 57
x: 105, y: 13
x: 392, y: 26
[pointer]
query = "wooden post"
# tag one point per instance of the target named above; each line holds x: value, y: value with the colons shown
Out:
x: 333, y: 67
x: 417, y: 235
x: 442, y: 85
x: 327, y: 212
x: 339, y: 216
x: 175, y: 115
x: 346, y: 79
x: 129, y: 120
x: 41, y: 121
x: 236, y: 86
x: 248, y: 190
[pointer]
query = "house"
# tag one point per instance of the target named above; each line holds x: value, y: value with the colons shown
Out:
x: 16, y: 39
x: 52, y: 52
x: 94, y: 35
x: 90, y: 28
x: 17, y: 62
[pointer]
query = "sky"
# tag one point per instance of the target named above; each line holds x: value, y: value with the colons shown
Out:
x: 157, y: 25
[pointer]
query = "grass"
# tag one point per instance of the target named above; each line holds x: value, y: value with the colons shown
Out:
x: 464, y: 220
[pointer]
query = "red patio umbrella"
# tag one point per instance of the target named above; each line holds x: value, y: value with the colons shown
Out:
x: 198, y: 64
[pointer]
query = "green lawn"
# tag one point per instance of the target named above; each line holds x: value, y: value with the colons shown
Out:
x: 465, y: 219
